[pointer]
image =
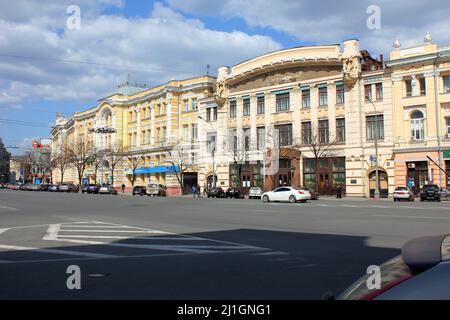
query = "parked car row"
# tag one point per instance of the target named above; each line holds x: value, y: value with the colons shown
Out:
x: 62, y: 187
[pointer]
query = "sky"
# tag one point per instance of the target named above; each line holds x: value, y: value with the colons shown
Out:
x: 48, y: 66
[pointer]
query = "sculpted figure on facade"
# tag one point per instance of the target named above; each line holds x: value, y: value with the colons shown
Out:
x: 351, y: 65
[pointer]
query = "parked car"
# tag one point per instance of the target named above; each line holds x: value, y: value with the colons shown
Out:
x: 155, y: 189
x: 92, y: 188
x: 421, y: 272
x: 52, y: 188
x: 216, y: 193
x: 403, y: 193
x: 430, y: 192
x: 139, y: 190
x: 3, y: 186
x: 14, y: 186
x: 34, y: 187
x: 67, y: 187
x: 255, y: 193
x: 44, y: 187
x: 234, y: 193
x: 107, y: 189
x: 25, y: 186
x: 445, y: 193
x: 287, y: 194
x: 314, y: 193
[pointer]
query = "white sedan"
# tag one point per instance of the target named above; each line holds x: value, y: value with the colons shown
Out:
x: 287, y: 194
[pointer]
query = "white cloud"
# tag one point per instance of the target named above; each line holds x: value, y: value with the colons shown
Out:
x: 156, y: 46
x: 334, y: 21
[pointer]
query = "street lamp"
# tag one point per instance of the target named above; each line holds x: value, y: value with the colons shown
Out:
x: 376, y: 194
x: 213, y: 151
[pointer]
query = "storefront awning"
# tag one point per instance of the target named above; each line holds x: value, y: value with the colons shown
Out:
x: 155, y: 169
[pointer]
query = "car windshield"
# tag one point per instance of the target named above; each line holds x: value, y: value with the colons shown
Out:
x: 430, y: 187
x: 401, y: 189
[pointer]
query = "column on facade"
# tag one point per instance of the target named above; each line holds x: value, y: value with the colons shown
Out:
x: 169, y: 108
x: 331, y: 87
x: 138, y: 126
x: 314, y: 96
x: 253, y: 130
x: 296, y: 101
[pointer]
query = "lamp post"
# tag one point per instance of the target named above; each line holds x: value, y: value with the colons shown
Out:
x: 376, y: 194
x: 213, y: 151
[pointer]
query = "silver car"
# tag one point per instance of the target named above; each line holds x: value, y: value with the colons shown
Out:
x: 255, y: 193
x: 421, y: 272
x: 107, y: 189
x: 154, y: 189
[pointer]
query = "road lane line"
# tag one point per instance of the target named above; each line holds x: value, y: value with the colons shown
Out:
x: 4, y: 230
x: 56, y: 251
x: 9, y: 208
x: 60, y: 237
x: 111, y: 231
x: 52, y: 232
x: 409, y: 217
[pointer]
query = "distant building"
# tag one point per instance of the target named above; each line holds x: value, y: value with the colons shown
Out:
x: 4, y: 162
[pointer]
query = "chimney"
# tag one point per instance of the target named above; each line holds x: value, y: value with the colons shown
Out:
x: 382, y: 61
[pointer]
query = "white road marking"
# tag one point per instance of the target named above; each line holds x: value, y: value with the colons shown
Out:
x: 52, y: 232
x: 124, y: 237
x: 409, y: 217
x: 4, y: 230
x: 272, y: 253
x: 56, y: 251
x: 8, y: 208
x: 115, y: 231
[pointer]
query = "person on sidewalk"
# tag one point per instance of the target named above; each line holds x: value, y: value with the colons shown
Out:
x: 339, y: 192
x: 123, y: 187
x: 194, y: 190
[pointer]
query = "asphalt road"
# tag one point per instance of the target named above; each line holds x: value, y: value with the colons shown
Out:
x: 183, y: 248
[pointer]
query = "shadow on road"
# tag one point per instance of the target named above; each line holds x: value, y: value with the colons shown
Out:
x: 257, y: 264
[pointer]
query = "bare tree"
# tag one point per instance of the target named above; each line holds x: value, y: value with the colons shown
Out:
x: 181, y: 162
x: 134, y: 161
x: 49, y: 163
x: 237, y: 146
x: 115, y: 154
x: 79, y: 154
x: 95, y: 161
x: 62, y: 162
x: 319, y: 146
x: 26, y: 163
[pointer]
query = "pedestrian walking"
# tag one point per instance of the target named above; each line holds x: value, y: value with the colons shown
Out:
x: 339, y: 192
x: 194, y: 190
x: 123, y: 188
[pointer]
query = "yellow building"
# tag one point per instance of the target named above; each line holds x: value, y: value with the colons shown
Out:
x: 421, y: 104
x: 142, y: 129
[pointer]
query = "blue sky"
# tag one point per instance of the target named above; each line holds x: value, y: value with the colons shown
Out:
x: 47, y: 68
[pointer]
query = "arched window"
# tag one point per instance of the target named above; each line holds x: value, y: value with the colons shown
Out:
x: 417, y: 127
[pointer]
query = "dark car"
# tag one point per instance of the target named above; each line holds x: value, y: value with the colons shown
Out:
x: 139, y: 190
x: 67, y: 187
x: 92, y: 188
x: 421, y: 272
x: 216, y: 193
x: 25, y: 186
x: 430, y: 192
x: 44, y: 187
x: 234, y: 193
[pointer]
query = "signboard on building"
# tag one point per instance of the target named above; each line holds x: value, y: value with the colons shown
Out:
x: 446, y: 154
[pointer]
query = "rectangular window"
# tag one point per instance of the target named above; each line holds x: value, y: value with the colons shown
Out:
x: 214, y: 111
x: 211, y: 142
x: 323, y: 131
x: 306, y: 132
x: 233, y: 109
x: 323, y: 96
x: 208, y: 114
x: 340, y: 93
x: 185, y: 133
x: 373, y: 129
x: 306, y: 98
x: 186, y: 104
x: 446, y: 80
x: 282, y: 102
x: 447, y: 126
x: 423, y: 87
x: 260, y: 105
x: 164, y: 134
x: 379, y: 91
x: 143, y: 137
x: 368, y: 92
x: 261, y: 138
x: 246, y: 134
x: 340, y: 130
x: 194, y: 133
x: 194, y: 104
x: 284, y: 134
x: 246, y: 107
x: 408, y: 87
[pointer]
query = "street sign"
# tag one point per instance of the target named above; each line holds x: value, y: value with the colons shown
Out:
x: 373, y: 158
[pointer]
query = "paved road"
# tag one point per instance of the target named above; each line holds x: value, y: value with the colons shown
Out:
x: 184, y: 248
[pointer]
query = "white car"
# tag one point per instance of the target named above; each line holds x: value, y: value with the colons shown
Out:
x: 403, y: 193
x: 287, y: 194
